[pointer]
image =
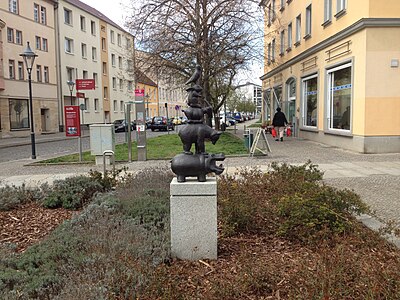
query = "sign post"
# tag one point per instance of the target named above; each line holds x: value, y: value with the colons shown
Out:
x: 73, y: 124
x: 140, y: 111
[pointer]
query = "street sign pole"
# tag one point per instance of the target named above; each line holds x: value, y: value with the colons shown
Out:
x: 140, y: 112
x: 129, y: 136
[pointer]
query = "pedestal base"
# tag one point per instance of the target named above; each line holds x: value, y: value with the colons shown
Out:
x: 194, y: 219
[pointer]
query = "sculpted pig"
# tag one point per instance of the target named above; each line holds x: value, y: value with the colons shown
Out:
x: 196, y: 165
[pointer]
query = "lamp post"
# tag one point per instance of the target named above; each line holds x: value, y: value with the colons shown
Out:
x: 71, y: 85
x: 29, y: 58
x: 147, y: 104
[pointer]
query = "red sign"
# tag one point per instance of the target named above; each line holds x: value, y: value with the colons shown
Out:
x: 80, y: 95
x: 72, y: 120
x: 139, y: 92
x: 85, y: 84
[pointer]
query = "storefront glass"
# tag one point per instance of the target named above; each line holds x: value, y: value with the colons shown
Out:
x: 310, y: 101
x: 19, y: 114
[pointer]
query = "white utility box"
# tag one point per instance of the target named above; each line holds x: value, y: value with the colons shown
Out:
x: 102, y: 138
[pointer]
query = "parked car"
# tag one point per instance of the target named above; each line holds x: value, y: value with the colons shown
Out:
x: 238, y: 117
x: 177, y: 121
x: 148, y: 122
x: 231, y: 120
x: 122, y: 126
x: 161, y: 123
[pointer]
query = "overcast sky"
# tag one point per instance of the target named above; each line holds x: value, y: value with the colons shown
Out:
x: 115, y: 10
x: 118, y: 10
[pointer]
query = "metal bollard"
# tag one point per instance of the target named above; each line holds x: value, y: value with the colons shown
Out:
x: 104, y: 161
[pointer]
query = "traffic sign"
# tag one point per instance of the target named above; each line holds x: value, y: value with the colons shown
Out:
x: 85, y: 84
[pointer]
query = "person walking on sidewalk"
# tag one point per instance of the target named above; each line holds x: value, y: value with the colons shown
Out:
x: 279, y: 122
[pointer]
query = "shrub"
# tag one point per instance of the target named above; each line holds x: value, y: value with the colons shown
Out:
x: 288, y: 200
x: 72, y: 192
x: 12, y: 196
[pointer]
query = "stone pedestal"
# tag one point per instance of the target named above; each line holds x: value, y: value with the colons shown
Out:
x: 194, y: 219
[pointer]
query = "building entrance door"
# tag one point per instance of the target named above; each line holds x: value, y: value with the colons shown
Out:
x: 44, y: 114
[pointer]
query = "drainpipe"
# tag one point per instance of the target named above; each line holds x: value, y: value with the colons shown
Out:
x: 58, y: 69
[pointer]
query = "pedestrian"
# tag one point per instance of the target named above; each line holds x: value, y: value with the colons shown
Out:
x: 279, y: 122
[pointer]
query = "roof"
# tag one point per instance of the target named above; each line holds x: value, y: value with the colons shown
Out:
x: 142, y: 78
x: 95, y: 13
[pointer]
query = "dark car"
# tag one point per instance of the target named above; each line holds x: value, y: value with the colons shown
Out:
x: 161, y: 123
x: 122, y: 126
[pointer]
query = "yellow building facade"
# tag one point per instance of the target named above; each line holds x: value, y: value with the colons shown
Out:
x: 22, y: 22
x: 333, y: 66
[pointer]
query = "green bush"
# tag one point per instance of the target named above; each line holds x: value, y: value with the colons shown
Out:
x: 109, y: 251
x: 288, y: 200
x: 13, y: 196
x: 72, y: 192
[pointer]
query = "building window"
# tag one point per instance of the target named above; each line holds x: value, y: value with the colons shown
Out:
x: 121, y: 84
x: 310, y: 100
x: 44, y: 44
x: 121, y: 105
x: 67, y: 16
x: 112, y: 37
x: 298, y: 30
x: 43, y: 15
x: 273, y: 11
x: 128, y: 43
x: 269, y: 14
x: 113, y: 60
x: 19, y: 117
x: 83, y: 23
x: 92, y: 27
x: 11, y: 69
x: 18, y: 37
x: 105, y: 92
x: 39, y: 73
x: 84, y: 50
x: 21, y: 70
x: 96, y: 104
x: 85, y: 74
x: 339, y: 97
x: 10, y: 35
x: 282, y: 5
x: 86, y: 102
x: 120, y: 62
x: 46, y: 74
x: 104, y: 68
x: 94, y: 53
x: 130, y: 65
x: 36, y: 12
x: 269, y: 53
x: 119, y: 39
x: 114, y: 83
x: 282, y: 51
x: 96, y: 79
x: 103, y: 44
x: 327, y: 11
x: 273, y: 50
x: 13, y: 6
x: 69, y: 45
x: 70, y: 74
x: 289, y: 37
x: 38, y: 42
x: 130, y: 85
x: 115, y: 105
x: 340, y: 5
x: 308, y: 21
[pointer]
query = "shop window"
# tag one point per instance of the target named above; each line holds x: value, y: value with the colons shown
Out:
x: 310, y: 100
x: 18, y: 114
x: 339, y: 97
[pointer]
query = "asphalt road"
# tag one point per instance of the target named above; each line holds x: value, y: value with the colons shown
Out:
x: 60, y: 147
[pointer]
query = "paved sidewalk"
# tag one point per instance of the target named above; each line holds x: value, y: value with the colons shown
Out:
x: 375, y: 177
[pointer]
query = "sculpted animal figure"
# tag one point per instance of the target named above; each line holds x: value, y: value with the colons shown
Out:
x: 196, y: 133
x: 197, y: 165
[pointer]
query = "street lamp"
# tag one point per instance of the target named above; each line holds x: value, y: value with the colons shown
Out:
x: 71, y: 85
x: 29, y: 58
x: 147, y: 104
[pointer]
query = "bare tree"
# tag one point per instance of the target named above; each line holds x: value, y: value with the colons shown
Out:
x: 223, y: 36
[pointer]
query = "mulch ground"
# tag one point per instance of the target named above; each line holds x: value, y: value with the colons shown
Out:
x: 29, y: 223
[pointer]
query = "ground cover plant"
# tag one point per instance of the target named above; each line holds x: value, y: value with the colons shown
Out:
x: 282, y: 235
x: 164, y: 146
